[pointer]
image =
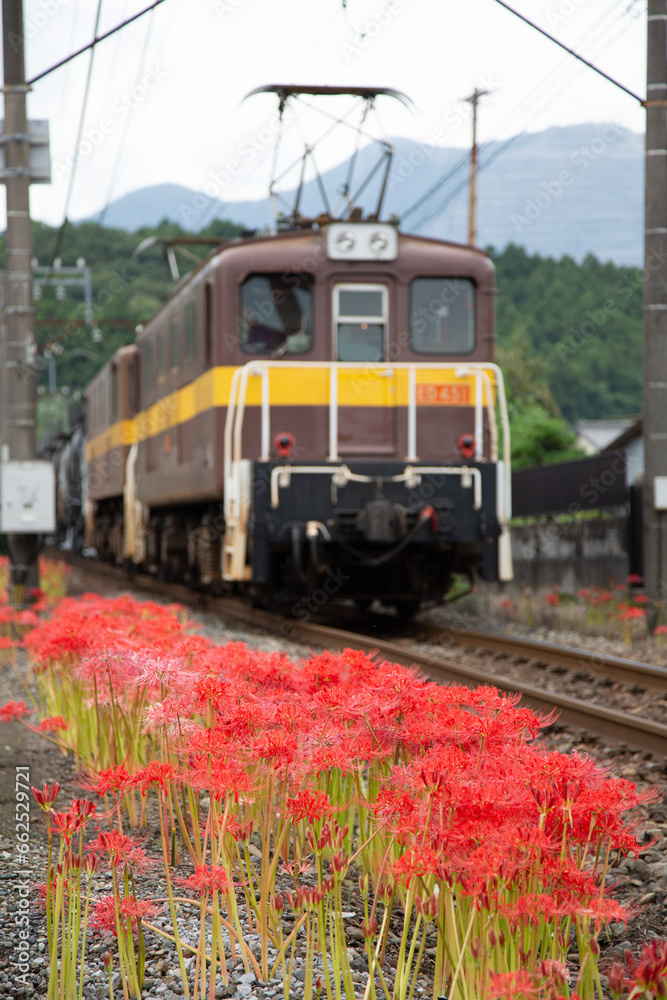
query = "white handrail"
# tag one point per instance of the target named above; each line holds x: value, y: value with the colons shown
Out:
x: 333, y: 414
x: 266, y: 418
x: 478, y: 370
x: 412, y: 416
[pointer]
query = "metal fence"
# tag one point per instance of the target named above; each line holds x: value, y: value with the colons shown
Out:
x: 584, y: 484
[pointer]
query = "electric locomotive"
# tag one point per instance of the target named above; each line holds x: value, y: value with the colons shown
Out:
x: 314, y: 414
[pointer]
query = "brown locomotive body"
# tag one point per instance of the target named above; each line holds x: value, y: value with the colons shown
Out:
x: 314, y: 403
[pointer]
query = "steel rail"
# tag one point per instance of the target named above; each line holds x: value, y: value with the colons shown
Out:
x: 629, y: 671
x: 596, y: 719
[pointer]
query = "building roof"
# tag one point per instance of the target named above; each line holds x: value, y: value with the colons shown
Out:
x: 596, y: 435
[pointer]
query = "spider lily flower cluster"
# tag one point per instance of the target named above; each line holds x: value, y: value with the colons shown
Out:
x: 283, y: 788
x: 619, y: 611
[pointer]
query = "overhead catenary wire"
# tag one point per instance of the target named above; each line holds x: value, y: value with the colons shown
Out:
x: 597, y: 32
x: 214, y: 206
x: 91, y: 45
x: 572, y: 52
x: 99, y: 222
x: 70, y: 187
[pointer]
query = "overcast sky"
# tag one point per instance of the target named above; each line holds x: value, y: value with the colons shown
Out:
x: 165, y: 95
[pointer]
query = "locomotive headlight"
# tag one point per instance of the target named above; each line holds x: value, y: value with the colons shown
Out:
x: 345, y: 241
x: 361, y: 241
x: 378, y: 242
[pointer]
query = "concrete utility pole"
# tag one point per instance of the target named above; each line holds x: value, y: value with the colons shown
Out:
x: 472, y: 211
x: 655, y: 307
x: 18, y: 350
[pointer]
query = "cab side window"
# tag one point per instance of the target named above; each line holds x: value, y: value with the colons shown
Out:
x: 276, y: 314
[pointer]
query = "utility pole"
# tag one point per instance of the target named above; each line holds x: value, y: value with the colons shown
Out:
x: 655, y: 307
x: 472, y: 211
x: 18, y: 392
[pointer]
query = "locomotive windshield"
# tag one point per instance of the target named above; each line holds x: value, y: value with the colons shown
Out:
x: 276, y: 315
x: 442, y: 315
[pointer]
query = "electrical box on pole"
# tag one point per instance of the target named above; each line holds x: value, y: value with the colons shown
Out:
x: 27, y: 497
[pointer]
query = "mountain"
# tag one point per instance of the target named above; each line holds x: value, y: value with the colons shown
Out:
x: 573, y: 190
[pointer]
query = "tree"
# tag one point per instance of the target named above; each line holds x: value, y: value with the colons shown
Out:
x: 539, y: 432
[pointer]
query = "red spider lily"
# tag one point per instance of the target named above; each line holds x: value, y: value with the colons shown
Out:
x: 64, y: 823
x: 112, y: 779
x: 154, y: 773
x: 369, y: 928
x: 307, y: 805
x: 117, y: 849
x: 635, y: 579
x: 46, y: 796
x: 649, y: 975
x: 629, y: 613
x: 104, y: 915
x: 53, y: 724
x: 512, y: 984
x: 417, y: 861
x: 641, y: 599
x: 553, y: 600
x: 660, y: 630
x: 75, y: 818
x: 451, y: 781
x: 553, y: 973
x: 13, y: 710
x: 138, y: 909
x: 617, y: 982
x: 6, y: 643
x: 302, y: 867
x: 207, y: 878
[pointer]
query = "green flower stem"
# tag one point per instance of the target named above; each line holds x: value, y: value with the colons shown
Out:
x: 170, y: 893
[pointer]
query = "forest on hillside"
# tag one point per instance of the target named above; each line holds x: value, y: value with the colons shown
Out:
x: 569, y: 334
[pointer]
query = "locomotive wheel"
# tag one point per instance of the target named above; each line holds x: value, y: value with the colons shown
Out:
x: 406, y: 609
x: 362, y: 604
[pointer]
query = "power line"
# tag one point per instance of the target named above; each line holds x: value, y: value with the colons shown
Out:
x: 70, y: 187
x: 463, y: 184
x: 576, y: 55
x: 95, y: 41
x: 544, y: 87
x: 436, y: 187
x: 99, y: 222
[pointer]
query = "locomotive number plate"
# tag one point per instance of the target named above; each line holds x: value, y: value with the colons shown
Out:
x: 449, y: 394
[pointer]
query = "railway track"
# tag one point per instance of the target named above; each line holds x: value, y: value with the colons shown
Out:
x: 615, y: 726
